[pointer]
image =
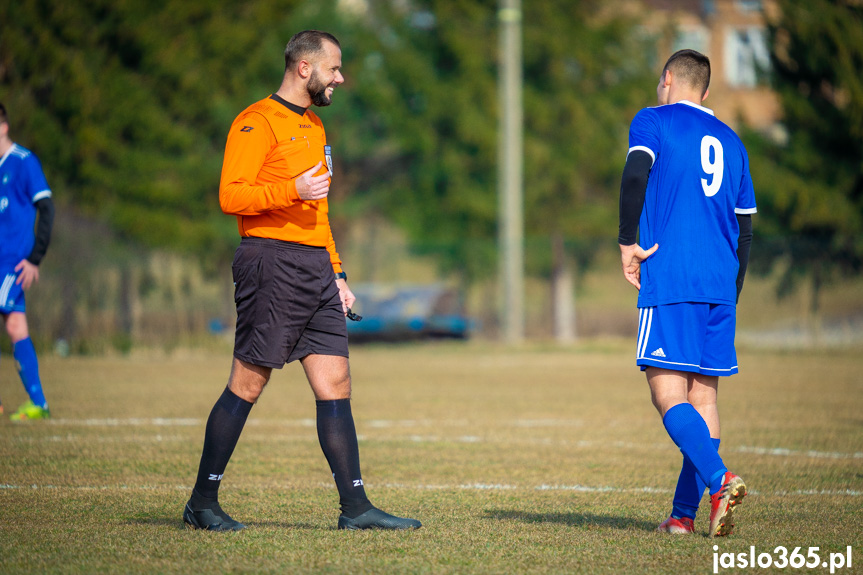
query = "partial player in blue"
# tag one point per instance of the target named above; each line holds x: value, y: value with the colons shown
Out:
x: 24, y: 194
x: 686, y: 191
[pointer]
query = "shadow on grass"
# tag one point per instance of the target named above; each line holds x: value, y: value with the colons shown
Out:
x: 173, y: 521
x: 178, y: 523
x: 288, y: 525
x: 573, y: 519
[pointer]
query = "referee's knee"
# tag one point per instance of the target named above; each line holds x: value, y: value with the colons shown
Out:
x: 340, y: 387
x: 248, y: 380
x: 332, y: 388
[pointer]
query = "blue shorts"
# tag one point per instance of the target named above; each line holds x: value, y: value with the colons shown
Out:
x: 691, y: 337
x: 11, y: 294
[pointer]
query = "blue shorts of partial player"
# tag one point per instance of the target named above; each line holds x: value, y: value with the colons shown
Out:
x: 11, y: 293
x: 690, y: 337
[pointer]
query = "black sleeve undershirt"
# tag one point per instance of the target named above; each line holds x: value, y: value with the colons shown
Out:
x: 744, y: 242
x: 43, y: 230
x: 633, y: 187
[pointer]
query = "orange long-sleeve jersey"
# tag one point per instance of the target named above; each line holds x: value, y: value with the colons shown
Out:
x: 271, y: 143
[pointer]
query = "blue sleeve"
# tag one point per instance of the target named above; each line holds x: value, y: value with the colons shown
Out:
x: 746, y: 194
x: 644, y: 132
x: 37, y: 185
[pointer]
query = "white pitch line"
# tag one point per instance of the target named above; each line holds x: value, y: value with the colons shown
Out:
x: 129, y: 422
x: 604, y: 489
x: 452, y: 487
x: 97, y: 487
x: 849, y: 492
x: 778, y: 451
x: 309, y: 422
x: 136, y: 439
x: 409, y: 423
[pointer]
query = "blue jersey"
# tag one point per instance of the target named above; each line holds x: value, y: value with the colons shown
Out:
x: 698, y: 182
x: 22, y: 184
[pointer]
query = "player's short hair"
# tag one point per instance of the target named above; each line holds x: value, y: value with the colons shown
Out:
x: 4, y: 119
x: 305, y: 43
x: 692, y: 67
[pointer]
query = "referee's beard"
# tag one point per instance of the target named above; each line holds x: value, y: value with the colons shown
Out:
x: 318, y: 91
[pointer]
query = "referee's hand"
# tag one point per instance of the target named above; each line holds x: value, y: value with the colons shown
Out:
x: 631, y: 258
x: 311, y: 187
x: 346, y: 295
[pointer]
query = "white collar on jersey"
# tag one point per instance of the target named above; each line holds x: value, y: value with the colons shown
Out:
x: 12, y: 149
x: 694, y: 105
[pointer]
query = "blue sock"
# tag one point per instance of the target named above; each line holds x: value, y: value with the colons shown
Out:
x: 28, y: 369
x: 690, y: 488
x: 687, y: 429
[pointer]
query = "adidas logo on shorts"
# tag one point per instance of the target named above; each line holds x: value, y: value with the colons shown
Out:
x: 658, y: 353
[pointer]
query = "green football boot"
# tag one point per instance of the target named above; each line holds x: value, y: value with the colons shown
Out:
x: 30, y: 410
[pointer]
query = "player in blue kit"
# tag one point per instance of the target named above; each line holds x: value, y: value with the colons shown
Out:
x: 686, y: 189
x: 24, y: 193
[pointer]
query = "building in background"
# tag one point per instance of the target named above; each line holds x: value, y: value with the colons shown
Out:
x: 733, y: 34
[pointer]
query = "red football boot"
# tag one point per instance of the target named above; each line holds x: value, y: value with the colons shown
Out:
x: 722, y: 504
x: 676, y: 526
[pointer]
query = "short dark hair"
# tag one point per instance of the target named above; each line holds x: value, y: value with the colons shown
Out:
x: 3, y: 116
x: 305, y: 43
x: 692, y: 67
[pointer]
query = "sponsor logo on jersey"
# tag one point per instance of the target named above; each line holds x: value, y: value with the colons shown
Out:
x: 658, y: 353
x: 247, y: 128
x: 305, y: 125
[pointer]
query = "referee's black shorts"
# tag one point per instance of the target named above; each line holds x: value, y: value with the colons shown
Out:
x: 288, y: 304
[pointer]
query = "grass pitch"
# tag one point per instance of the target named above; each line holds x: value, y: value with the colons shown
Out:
x: 534, y: 460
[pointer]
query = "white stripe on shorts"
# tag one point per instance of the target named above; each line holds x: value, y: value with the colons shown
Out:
x: 644, y: 320
x: 6, y: 287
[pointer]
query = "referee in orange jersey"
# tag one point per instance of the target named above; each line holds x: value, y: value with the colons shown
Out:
x: 291, y: 293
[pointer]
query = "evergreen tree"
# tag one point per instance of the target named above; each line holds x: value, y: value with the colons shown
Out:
x: 810, y: 188
x: 127, y: 103
x: 423, y: 133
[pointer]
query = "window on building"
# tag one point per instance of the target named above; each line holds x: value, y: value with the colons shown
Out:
x: 748, y: 5
x: 747, y: 57
x: 696, y: 38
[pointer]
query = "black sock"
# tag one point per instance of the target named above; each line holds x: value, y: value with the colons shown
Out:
x: 338, y: 438
x: 223, y: 431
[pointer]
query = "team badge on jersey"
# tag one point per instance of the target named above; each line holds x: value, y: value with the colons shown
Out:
x: 328, y: 152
